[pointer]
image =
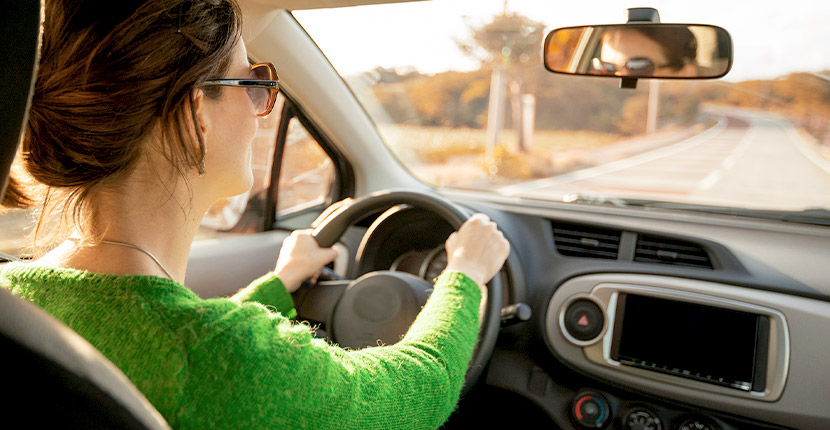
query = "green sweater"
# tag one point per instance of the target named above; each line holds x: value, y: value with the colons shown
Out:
x: 239, y: 363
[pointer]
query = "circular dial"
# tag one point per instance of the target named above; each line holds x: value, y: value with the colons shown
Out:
x: 697, y: 424
x: 591, y: 411
x: 641, y: 419
x: 434, y: 263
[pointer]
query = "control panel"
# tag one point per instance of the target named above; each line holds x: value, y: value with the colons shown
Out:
x: 595, y: 409
x: 721, y: 347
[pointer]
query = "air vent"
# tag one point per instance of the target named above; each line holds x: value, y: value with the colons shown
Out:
x: 660, y: 250
x: 575, y: 240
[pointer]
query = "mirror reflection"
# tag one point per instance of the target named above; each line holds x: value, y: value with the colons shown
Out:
x: 674, y: 51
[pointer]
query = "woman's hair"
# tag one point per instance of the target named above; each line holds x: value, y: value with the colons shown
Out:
x: 111, y: 74
x: 678, y: 45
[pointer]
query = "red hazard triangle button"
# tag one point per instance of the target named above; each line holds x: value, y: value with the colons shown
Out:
x: 583, y: 321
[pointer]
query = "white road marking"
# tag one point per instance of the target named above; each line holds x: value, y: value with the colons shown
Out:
x: 710, y: 180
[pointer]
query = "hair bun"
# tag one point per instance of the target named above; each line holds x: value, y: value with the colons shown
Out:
x: 106, y: 82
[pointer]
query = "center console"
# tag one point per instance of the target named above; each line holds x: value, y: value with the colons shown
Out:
x: 710, y: 346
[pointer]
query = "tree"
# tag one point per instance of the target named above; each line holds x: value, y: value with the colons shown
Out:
x: 508, y: 44
x: 510, y: 40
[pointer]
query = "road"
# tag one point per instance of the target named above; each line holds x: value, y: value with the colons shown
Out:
x: 749, y: 159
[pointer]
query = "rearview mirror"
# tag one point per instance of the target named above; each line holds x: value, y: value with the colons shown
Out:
x: 670, y: 51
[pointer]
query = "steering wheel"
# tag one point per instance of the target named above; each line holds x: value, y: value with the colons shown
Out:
x: 381, y: 305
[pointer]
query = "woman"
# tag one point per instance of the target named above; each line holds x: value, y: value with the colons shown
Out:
x: 137, y: 126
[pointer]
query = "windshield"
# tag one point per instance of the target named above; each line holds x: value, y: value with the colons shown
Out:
x: 458, y: 92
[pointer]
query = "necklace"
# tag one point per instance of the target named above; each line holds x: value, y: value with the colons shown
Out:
x: 130, y: 245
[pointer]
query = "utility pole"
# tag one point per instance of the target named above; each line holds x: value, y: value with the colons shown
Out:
x: 495, y: 110
x: 653, y: 105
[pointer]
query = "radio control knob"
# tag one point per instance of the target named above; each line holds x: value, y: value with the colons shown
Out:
x: 641, y: 419
x: 697, y: 424
x: 591, y: 411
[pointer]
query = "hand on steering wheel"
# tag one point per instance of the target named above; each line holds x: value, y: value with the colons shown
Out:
x: 301, y: 257
x: 478, y: 249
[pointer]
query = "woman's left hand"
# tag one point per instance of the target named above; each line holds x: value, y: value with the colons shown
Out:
x: 301, y: 258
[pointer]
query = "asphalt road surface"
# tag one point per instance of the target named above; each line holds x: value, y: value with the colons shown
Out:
x: 749, y: 159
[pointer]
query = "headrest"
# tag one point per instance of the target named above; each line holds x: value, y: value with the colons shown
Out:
x: 20, y: 32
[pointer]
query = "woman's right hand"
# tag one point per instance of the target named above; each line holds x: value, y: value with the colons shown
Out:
x: 300, y: 258
x: 478, y: 249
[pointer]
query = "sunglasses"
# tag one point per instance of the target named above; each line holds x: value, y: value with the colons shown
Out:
x: 262, y: 86
x: 637, y: 66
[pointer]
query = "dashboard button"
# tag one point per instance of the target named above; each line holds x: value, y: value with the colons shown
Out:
x: 584, y: 320
x: 591, y: 411
x: 641, y: 419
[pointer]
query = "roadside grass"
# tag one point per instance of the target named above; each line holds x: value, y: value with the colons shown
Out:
x: 458, y: 156
x: 436, y: 144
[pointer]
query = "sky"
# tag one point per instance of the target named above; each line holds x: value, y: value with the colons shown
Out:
x: 770, y: 39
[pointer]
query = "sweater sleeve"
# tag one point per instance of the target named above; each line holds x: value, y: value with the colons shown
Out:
x: 250, y: 368
x: 269, y: 291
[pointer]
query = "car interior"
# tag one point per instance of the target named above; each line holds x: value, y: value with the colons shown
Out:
x: 604, y: 315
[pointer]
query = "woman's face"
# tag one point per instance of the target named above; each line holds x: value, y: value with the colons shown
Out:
x: 621, y: 45
x: 232, y: 124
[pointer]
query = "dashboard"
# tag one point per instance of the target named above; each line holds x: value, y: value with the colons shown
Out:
x: 641, y: 319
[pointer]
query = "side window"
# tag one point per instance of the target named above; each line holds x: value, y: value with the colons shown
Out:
x: 307, y: 173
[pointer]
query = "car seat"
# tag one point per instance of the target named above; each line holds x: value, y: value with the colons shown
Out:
x: 52, y: 377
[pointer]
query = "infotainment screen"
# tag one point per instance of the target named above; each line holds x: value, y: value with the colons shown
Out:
x: 711, y: 344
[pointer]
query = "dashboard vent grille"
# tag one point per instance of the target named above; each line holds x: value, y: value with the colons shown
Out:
x: 660, y: 250
x: 574, y: 240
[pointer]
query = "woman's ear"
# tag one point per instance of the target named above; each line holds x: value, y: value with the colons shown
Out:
x: 202, y: 117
